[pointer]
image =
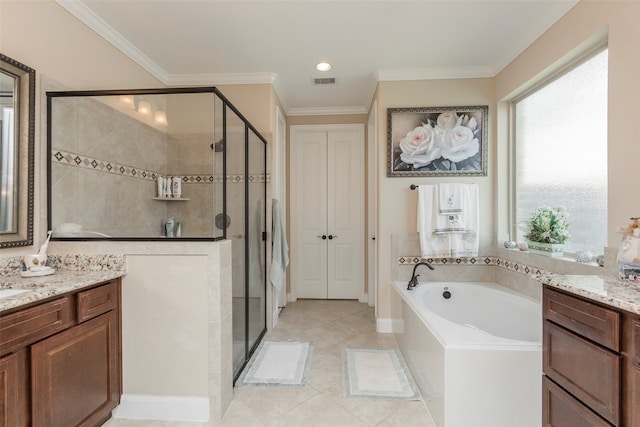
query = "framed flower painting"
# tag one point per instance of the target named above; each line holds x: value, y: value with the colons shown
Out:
x: 437, y: 141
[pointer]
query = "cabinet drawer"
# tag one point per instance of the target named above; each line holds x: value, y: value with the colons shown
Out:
x: 32, y: 324
x: 590, y: 372
x: 94, y: 302
x: 596, y: 323
x: 563, y: 410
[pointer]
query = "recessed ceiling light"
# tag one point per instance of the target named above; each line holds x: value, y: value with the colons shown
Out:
x: 323, y: 66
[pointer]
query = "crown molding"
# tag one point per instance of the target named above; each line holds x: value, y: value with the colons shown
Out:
x: 97, y: 24
x: 327, y: 111
x: 222, y: 79
x: 435, y: 73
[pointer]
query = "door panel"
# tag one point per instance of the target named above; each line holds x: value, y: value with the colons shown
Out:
x: 345, y: 220
x: 327, y: 200
x: 309, y: 218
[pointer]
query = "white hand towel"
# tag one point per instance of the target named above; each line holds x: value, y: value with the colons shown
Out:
x: 466, y: 244
x: 431, y: 245
x: 442, y: 237
x: 280, y: 249
x: 450, y: 197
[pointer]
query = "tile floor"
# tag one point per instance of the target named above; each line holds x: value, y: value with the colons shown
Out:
x: 332, y: 326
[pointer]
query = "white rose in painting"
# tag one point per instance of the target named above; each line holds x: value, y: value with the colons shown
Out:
x: 449, y: 120
x: 419, y: 147
x: 459, y: 144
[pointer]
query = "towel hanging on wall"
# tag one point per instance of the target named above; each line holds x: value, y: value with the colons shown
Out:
x: 450, y: 230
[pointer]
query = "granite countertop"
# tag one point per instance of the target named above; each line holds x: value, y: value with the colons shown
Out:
x: 604, y: 289
x: 44, y: 287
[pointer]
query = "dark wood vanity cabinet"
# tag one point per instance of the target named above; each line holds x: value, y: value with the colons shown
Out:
x: 61, y: 360
x: 591, y: 363
x: 631, y: 371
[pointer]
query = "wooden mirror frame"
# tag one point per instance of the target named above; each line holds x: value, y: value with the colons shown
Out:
x: 25, y: 140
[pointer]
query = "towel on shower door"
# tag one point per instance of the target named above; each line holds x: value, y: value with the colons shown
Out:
x: 280, y: 249
x: 443, y: 236
x: 256, y: 251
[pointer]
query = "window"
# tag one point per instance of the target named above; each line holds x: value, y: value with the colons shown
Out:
x: 561, y: 152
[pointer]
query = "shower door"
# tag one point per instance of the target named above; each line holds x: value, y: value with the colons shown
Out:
x: 245, y: 159
x: 255, y: 184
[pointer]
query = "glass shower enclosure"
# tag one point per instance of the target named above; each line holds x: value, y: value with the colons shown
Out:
x: 164, y: 165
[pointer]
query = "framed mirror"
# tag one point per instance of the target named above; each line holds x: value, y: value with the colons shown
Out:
x: 17, y: 134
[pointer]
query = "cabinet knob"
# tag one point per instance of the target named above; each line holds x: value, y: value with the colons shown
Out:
x: 323, y: 237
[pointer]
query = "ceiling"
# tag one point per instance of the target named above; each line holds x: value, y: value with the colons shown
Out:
x: 217, y: 42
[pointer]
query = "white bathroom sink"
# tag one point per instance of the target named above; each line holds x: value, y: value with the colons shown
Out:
x: 11, y: 292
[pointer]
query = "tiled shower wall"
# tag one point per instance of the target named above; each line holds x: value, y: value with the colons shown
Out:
x: 510, y: 268
x: 101, y: 155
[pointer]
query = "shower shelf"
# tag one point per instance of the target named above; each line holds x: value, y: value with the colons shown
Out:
x: 171, y: 199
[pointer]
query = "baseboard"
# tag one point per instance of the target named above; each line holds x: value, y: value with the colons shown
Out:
x: 364, y: 298
x: 390, y: 326
x: 163, y: 408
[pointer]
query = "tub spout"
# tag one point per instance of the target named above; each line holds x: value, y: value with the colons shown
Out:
x: 413, y: 282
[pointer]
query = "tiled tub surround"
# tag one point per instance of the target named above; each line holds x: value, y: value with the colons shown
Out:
x: 176, y: 314
x: 514, y: 269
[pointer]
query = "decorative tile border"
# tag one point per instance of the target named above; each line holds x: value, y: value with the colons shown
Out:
x: 76, y: 160
x: 528, y: 270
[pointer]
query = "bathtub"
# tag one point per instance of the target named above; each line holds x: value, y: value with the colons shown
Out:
x: 476, y: 356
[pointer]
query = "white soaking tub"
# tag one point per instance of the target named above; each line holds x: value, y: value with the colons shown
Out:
x: 477, y: 355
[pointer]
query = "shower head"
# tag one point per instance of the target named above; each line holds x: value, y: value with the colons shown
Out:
x: 218, y: 146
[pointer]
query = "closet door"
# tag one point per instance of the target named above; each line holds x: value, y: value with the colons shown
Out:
x: 309, y: 216
x: 327, y: 211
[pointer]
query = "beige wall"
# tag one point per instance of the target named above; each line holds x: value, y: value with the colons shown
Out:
x: 45, y: 37
x: 579, y: 29
x: 397, y: 204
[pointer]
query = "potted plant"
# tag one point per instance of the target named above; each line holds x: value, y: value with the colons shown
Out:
x: 547, y: 230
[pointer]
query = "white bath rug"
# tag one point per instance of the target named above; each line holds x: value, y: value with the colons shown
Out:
x: 279, y: 363
x: 378, y: 374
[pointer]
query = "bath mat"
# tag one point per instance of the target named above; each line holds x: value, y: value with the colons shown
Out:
x: 279, y: 363
x: 378, y: 374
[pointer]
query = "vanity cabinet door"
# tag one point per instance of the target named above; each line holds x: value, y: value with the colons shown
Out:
x: 8, y: 387
x: 75, y: 374
x: 631, y: 384
x: 14, y: 390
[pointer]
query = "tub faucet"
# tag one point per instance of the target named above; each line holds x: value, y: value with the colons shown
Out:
x: 414, y: 277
